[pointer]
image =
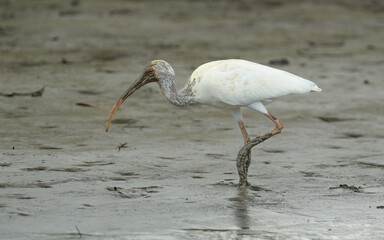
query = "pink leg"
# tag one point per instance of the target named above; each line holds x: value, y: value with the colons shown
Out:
x: 243, y: 131
x: 279, y: 124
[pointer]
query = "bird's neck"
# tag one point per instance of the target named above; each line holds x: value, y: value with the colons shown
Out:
x: 182, y: 98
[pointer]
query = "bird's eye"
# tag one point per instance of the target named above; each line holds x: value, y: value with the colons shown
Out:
x: 150, y: 70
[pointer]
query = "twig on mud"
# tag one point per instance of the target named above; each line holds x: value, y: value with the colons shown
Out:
x: 121, y: 193
x: 37, y: 93
x: 122, y: 145
x: 78, y: 231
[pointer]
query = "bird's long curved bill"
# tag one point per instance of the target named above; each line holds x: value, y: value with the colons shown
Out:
x: 136, y: 85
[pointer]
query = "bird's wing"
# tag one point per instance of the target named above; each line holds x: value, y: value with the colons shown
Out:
x: 240, y: 83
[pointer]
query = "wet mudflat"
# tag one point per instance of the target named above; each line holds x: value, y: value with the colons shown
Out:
x: 169, y: 173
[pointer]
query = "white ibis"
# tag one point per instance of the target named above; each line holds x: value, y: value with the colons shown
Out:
x: 227, y: 84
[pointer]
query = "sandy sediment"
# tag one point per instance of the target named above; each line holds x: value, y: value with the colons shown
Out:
x: 174, y: 175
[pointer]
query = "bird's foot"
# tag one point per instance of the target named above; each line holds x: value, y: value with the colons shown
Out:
x: 243, y: 184
x: 273, y: 132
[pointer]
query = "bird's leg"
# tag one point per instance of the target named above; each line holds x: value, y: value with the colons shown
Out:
x: 279, y: 124
x: 243, y: 131
x: 242, y: 162
x: 247, y: 138
x: 244, y: 158
x: 247, y: 163
x: 242, y: 166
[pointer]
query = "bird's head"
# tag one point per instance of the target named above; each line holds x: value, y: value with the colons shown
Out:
x: 154, y: 72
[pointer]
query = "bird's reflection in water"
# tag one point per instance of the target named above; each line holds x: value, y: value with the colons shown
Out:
x: 243, y: 220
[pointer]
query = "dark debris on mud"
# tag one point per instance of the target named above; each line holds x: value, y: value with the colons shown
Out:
x: 358, y: 189
x: 135, y: 192
x: 37, y: 93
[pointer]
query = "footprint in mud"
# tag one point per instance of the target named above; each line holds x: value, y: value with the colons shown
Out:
x: 123, y: 11
x: 351, y: 135
x: 279, y: 62
x: 310, y: 174
x: 334, y: 147
x: 109, y: 55
x: 215, y: 155
x: 128, y: 123
x: 39, y: 168
x: 326, y: 44
x: 89, y: 92
x: 167, y: 158
x: 224, y: 129
x: 127, y: 174
x: 70, y: 169
x: 333, y: 119
x: 94, y: 163
x: 135, y: 192
x: 21, y: 214
x: 273, y: 151
x: 198, y: 171
x: 197, y: 177
x: 43, y: 168
x: 49, y: 148
x: 160, y: 165
x: 197, y: 174
x: 40, y: 185
x: 18, y: 196
x: 48, y: 127
x: 27, y: 185
x: 124, y: 176
x: 370, y: 165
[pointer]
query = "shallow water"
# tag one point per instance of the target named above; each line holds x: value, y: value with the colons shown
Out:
x: 169, y: 173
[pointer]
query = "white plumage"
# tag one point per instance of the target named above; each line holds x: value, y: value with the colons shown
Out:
x: 237, y: 83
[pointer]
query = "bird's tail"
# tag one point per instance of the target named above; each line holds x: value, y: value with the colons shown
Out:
x: 316, y: 89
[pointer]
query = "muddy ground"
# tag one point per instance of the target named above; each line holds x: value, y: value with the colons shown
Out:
x: 174, y: 175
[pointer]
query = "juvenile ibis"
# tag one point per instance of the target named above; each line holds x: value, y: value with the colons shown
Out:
x: 227, y: 84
